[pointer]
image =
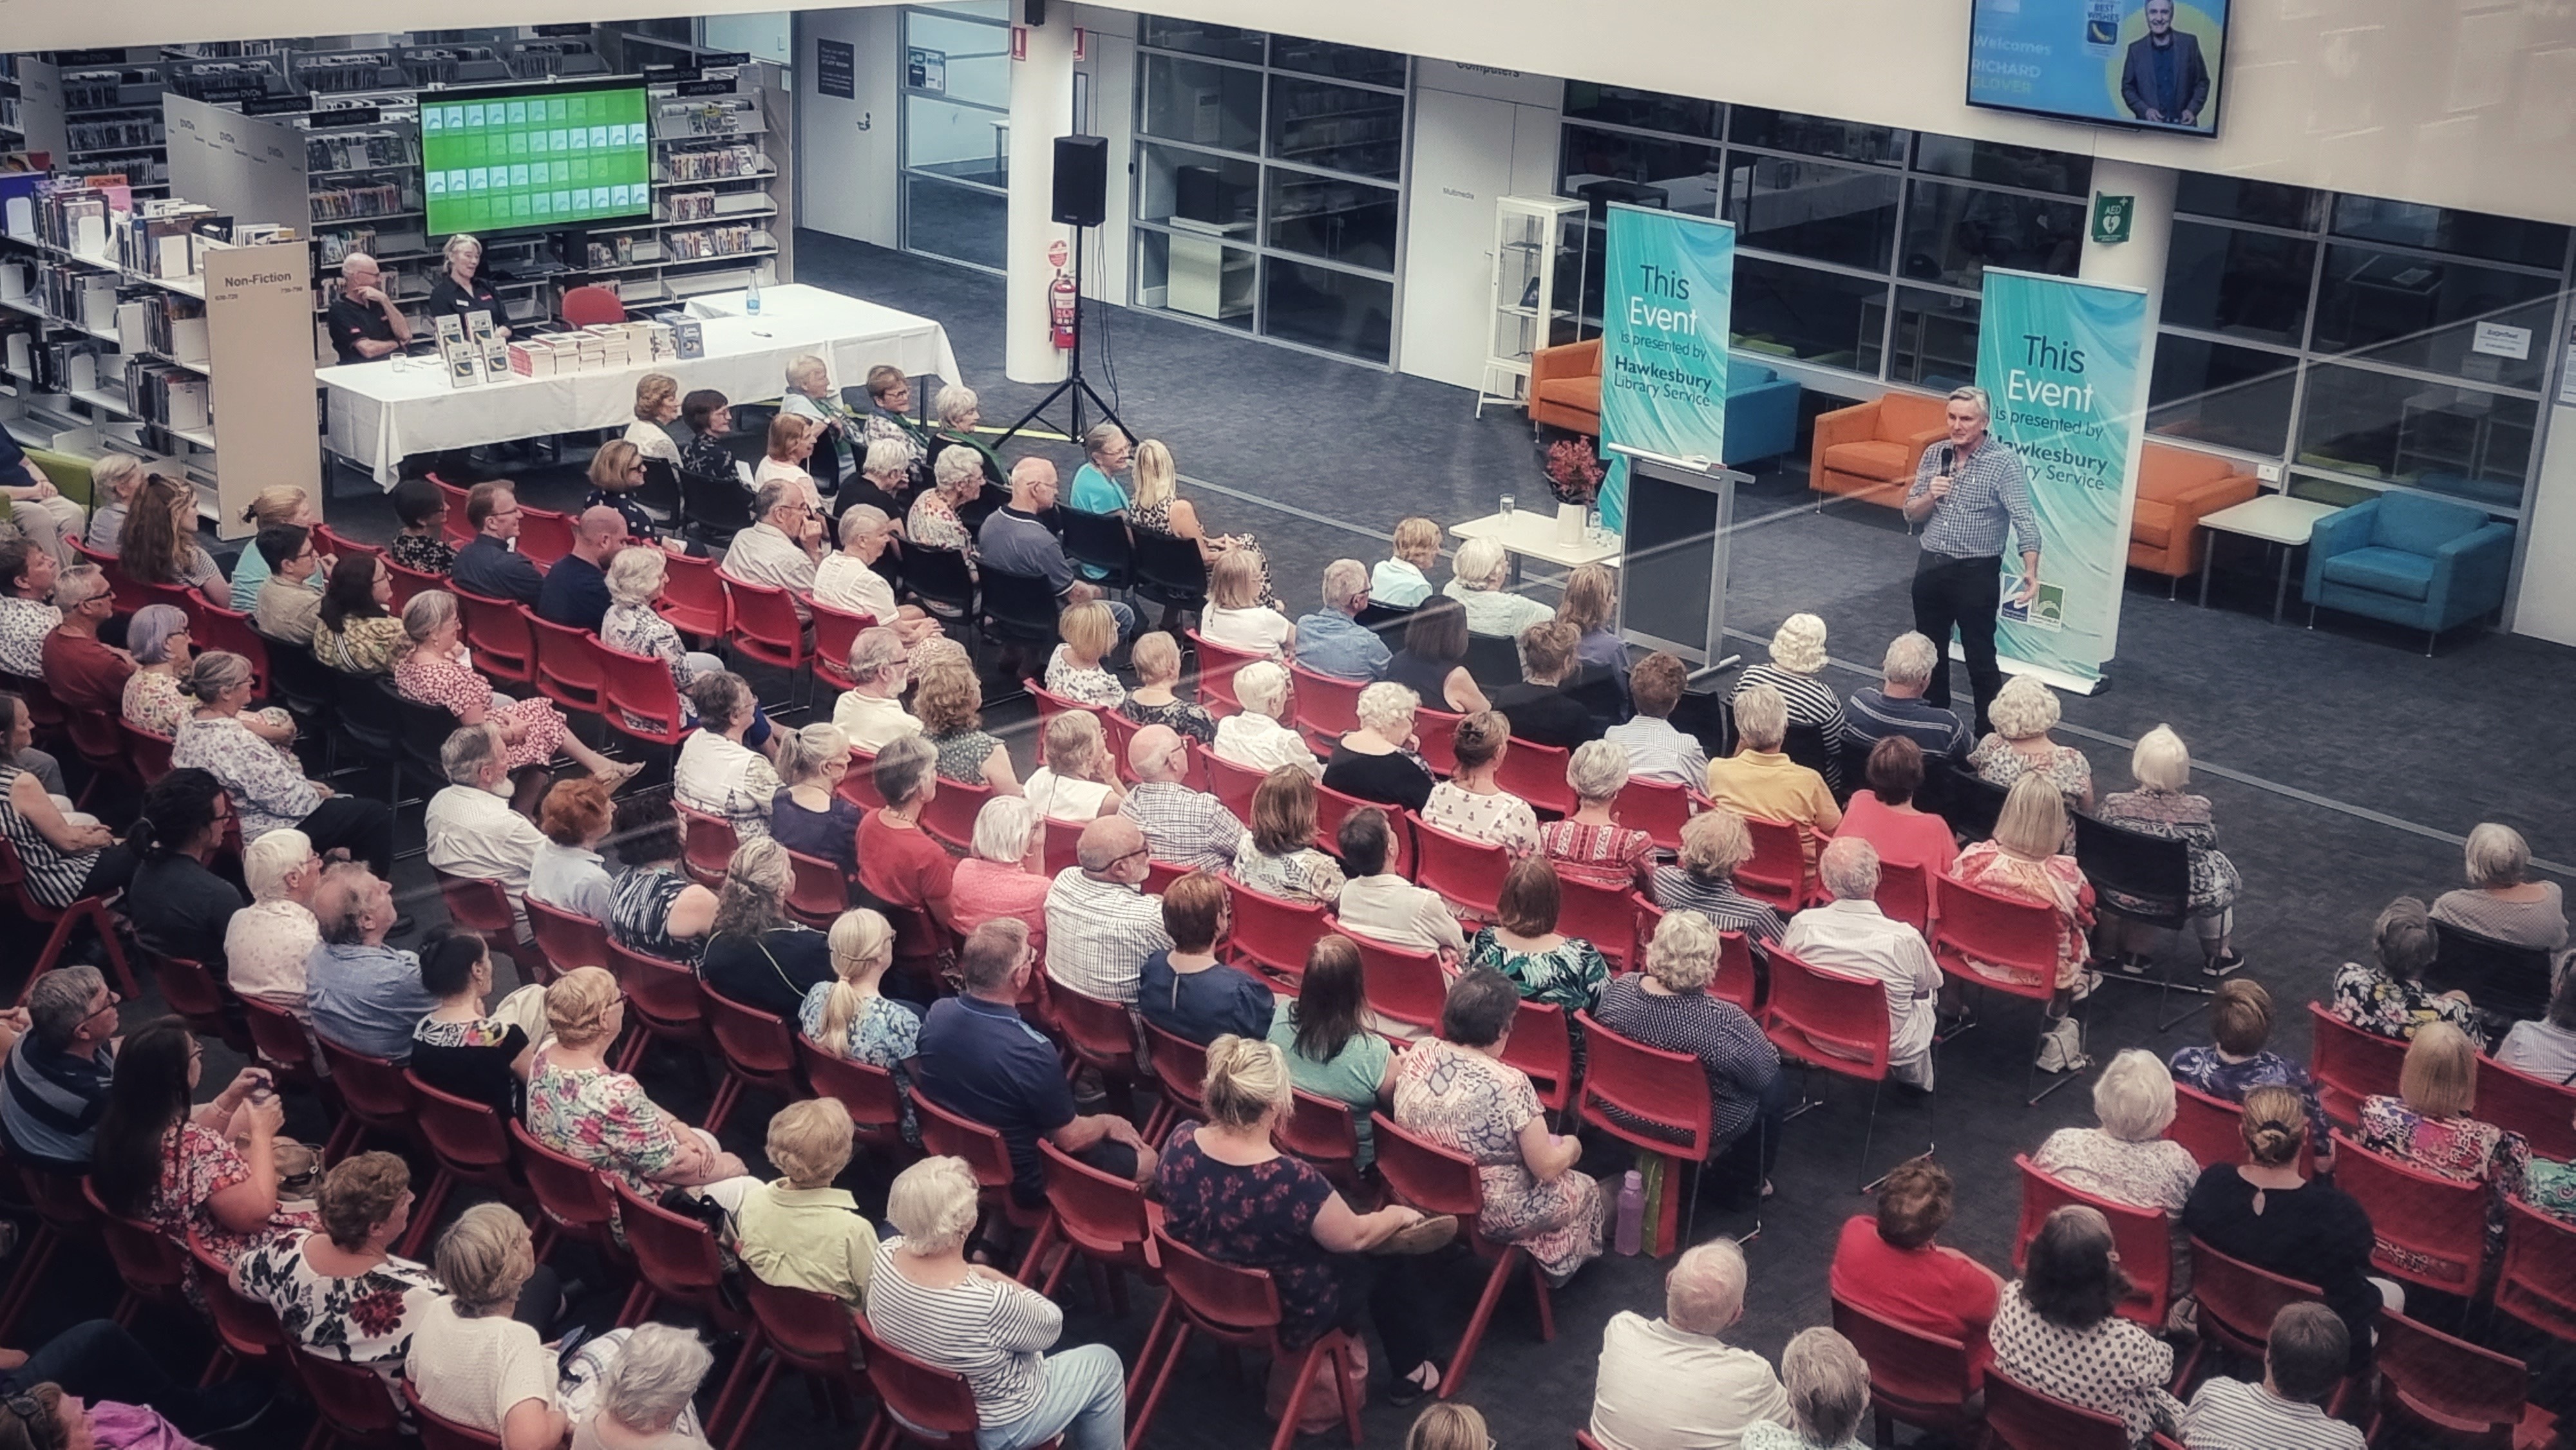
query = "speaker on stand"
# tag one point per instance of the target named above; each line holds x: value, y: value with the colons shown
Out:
x: 1080, y: 200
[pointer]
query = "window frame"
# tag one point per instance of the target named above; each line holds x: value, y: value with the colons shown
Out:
x: 905, y: 172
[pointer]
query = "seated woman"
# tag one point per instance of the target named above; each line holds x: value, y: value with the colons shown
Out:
x: 1278, y: 855
x: 1078, y: 780
x: 616, y: 472
x: 1469, y: 803
x: 1236, y: 618
x: 66, y: 854
x: 1600, y: 670
x: 1433, y: 660
x: 159, y: 544
x: 2546, y: 1048
x: 436, y: 671
x: 704, y: 454
x: 355, y: 631
x: 1525, y: 946
x: 2390, y: 998
x: 937, y: 519
x: 208, y: 1169
x: 1379, y: 761
x: 1383, y: 906
x: 1884, y: 815
x: 883, y: 480
x: 341, y: 1293
x: 644, y: 1396
x: 2127, y: 1159
x: 1590, y: 845
x: 2427, y: 1127
x: 2236, y: 1062
x: 655, y: 908
x: 809, y: 815
x: 1714, y: 844
x: 1106, y: 453
x: 791, y: 446
x: 2501, y: 902
x: 1795, y: 669
x: 2024, y: 861
x: 463, y: 1048
x: 1002, y: 876
x: 756, y: 953
x: 268, y: 791
x: 473, y: 1361
x: 2159, y: 807
x: 1156, y: 658
x: 583, y: 1109
x: 114, y: 479
x: 1760, y: 780
x: 851, y: 1017
x: 900, y: 865
x: 1401, y: 580
x: 1260, y: 736
x: 1159, y: 508
x: 421, y: 543
x: 1892, y: 1264
x: 948, y: 700
x: 1477, y: 580
x: 1076, y: 668
x: 2023, y: 713
x: 786, y: 1230
x: 959, y: 411
x: 717, y: 773
x: 2264, y: 1212
x: 925, y: 1299
x: 2056, y: 1330
x: 636, y: 579
x: 568, y: 872
x: 1669, y: 1006
x: 657, y: 407
x: 1331, y: 1051
x: 811, y: 396
x: 1456, y: 1091
x: 1828, y: 1385
x: 1184, y: 989
x: 1231, y: 1194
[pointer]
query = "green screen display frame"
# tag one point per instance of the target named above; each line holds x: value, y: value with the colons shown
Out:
x: 481, y: 151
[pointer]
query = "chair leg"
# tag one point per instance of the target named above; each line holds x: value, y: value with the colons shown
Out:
x: 105, y: 924
x: 742, y: 1367
x: 1145, y: 1356
x: 1456, y: 1374
x: 1162, y: 1381
x: 727, y: 1094
x: 1286, y: 1436
x: 54, y: 943
x: 1036, y: 1255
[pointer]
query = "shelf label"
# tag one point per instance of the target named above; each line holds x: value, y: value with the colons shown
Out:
x: 345, y: 116
x: 275, y: 105
x: 724, y: 87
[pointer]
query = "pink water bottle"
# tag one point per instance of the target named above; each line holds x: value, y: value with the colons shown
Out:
x: 1632, y: 1213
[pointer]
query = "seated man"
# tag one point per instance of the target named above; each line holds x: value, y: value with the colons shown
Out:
x: 365, y: 996
x: 1379, y: 904
x: 980, y: 1059
x: 1100, y: 925
x: 1758, y: 780
x: 1331, y: 641
x: 1657, y: 751
x: 83, y: 673
x: 575, y: 593
x: 487, y: 565
x: 848, y: 579
x: 782, y: 546
x: 472, y: 832
x: 1891, y: 1265
x: 1672, y: 1383
x: 1851, y: 935
x: 798, y: 1231
x: 54, y: 1088
x: 1540, y: 710
x: 1897, y: 706
x: 286, y: 605
x: 2304, y: 1358
x: 1183, y: 826
x: 1014, y: 540
x: 871, y: 712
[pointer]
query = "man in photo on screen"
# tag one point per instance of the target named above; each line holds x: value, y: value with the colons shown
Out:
x: 2164, y: 80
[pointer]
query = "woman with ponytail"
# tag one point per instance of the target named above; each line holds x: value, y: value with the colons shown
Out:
x: 2267, y: 1213
x: 851, y: 1017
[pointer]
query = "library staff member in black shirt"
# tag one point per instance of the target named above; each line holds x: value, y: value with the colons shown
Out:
x: 460, y: 288
x: 365, y: 323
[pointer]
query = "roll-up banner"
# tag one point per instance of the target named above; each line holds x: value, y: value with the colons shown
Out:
x: 1668, y: 300
x: 2060, y: 359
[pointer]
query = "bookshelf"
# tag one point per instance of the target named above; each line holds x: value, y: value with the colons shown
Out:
x: 98, y: 113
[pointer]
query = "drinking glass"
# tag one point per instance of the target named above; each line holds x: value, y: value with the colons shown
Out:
x: 1505, y: 508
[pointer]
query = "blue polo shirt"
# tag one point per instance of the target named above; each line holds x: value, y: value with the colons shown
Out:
x: 367, y: 999
x: 1330, y: 642
x: 979, y: 1060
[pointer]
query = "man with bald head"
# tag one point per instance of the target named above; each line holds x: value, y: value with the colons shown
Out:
x: 1015, y: 539
x: 365, y: 322
x: 1672, y: 1383
x: 1100, y: 926
x: 575, y: 593
x: 1183, y: 826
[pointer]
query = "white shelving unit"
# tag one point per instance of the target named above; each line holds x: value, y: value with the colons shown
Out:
x: 1540, y: 248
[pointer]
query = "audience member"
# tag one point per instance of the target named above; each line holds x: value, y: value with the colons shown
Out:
x: 798, y: 1231
x: 340, y: 1292
x: 1236, y: 618
x: 1380, y: 761
x: 278, y: 506
x: 616, y: 476
x: 488, y: 565
x: 156, y: 698
x: 464, y: 1047
x: 208, y: 1170
x: 1714, y: 844
x: 55, y: 1086
x: 1796, y: 670
x: 575, y: 592
x: 1590, y: 601
x: 584, y: 1109
x: 2023, y: 713
x: 645, y: 1393
x: 113, y: 480
x: 1014, y: 540
x: 1156, y: 700
x: 925, y: 1299
x: 655, y: 909
x: 1261, y: 735
x: 1591, y: 846
x: 1850, y: 935
x: 2304, y: 1355
x: 286, y: 607
x: 1478, y: 579
x: 1160, y: 509
x: 2127, y: 1159
x: 1470, y: 803
x: 2390, y: 997
x: 899, y: 863
x: 789, y: 447
x: 636, y: 577
x: 2024, y: 861
x: 1383, y: 905
x: 472, y: 832
x: 61, y: 1384
x: 1433, y: 661
x: 949, y: 702
x: 2427, y: 1126
x: 63, y: 854
x: 809, y: 815
x: 2268, y: 1213
x: 437, y: 670
x: 657, y: 406
x: 1456, y: 1091
x: 2235, y: 1063
x: 1185, y: 827
x: 471, y: 1361
x: 1541, y: 711
x: 159, y: 546
x: 1542, y: 964
x: 810, y: 396
x: 1078, y: 668
x: 1330, y: 641
x: 39, y: 511
x: 756, y: 953
x: 1674, y: 1383
x: 1892, y: 1264
x: 1669, y: 1006
x: 354, y: 629
x: 1107, y: 451
x: 884, y: 478
x: 1077, y: 782
x: 268, y: 943
x: 1829, y: 1396
x: 178, y: 905
x: 27, y: 615
x: 1885, y: 815
x: 83, y: 673
x: 2057, y: 1331
x: 567, y: 872
x: 1657, y: 751
x: 705, y: 454
x: 1001, y: 875
x: 1184, y: 989
x: 871, y: 712
x: 269, y: 793
x: 2159, y: 807
x: 1332, y: 1053
x: 1401, y: 580
x: 937, y: 519
x: 783, y: 544
x: 2544, y: 1048
x: 365, y: 995
x: 1100, y: 925
x: 851, y: 1017
x: 1278, y: 856
x: 1896, y: 709
x: 1759, y: 780
x: 2501, y: 902
x: 716, y: 773
x: 420, y: 545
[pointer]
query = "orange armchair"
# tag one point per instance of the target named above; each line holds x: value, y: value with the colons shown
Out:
x: 1871, y: 450
x: 2177, y: 487
x: 1565, y: 387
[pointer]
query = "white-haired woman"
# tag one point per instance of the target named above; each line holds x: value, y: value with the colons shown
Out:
x: 2025, y: 860
x: 1828, y: 1385
x: 470, y: 1361
x: 1669, y: 1006
x: 937, y: 519
x: 1156, y: 700
x: 884, y: 480
x: 636, y: 577
x: 2501, y: 902
x: 925, y: 1299
x: 459, y: 287
x: 113, y: 478
x: 2127, y: 1159
x: 1381, y: 761
x: 1715, y: 844
x: 1003, y: 877
x: 434, y: 671
x: 810, y: 395
x: 1258, y: 736
x: 1078, y: 781
x: 2023, y: 713
x: 1591, y: 846
x: 2160, y: 807
x: 1159, y: 507
x: 1477, y: 579
x: 959, y: 412
x: 158, y: 637
x: 1796, y: 669
x: 852, y: 1017
x: 644, y: 1396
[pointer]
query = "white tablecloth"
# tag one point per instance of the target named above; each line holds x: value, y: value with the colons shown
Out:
x: 381, y: 412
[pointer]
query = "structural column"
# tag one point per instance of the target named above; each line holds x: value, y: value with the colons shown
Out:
x: 2140, y: 261
x: 1041, y: 111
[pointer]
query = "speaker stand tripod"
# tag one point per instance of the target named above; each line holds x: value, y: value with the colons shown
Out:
x: 1075, y: 387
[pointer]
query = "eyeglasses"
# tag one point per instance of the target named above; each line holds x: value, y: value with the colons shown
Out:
x: 25, y: 1408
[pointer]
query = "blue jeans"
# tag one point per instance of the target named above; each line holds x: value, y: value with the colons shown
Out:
x: 1125, y: 614
x: 1083, y: 1397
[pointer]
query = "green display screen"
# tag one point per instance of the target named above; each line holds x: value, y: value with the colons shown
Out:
x: 501, y: 162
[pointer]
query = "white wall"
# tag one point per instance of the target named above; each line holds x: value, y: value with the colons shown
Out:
x: 1478, y: 134
x: 845, y: 150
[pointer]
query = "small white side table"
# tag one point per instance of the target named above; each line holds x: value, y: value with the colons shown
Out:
x: 2275, y: 518
x: 1533, y: 532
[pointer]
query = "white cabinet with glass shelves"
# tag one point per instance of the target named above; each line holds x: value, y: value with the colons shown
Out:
x: 1540, y: 247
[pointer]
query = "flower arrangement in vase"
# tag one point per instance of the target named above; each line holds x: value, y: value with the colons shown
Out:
x: 1573, y: 471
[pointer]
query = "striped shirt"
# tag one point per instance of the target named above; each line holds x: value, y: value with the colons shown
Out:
x: 54, y: 877
x: 2233, y: 1415
x: 1732, y: 910
x: 1873, y: 715
x: 991, y: 1331
x: 1657, y: 751
x: 1811, y: 702
x: 50, y: 1103
x: 1988, y: 491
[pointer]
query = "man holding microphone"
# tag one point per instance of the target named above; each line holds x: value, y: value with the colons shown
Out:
x: 1971, y: 489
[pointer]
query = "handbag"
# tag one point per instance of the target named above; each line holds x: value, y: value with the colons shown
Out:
x: 2061, y: 1047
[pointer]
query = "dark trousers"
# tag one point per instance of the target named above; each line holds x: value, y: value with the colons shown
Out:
x: 1740, y: 1167
x: 366, y: 827
x: 97, y: 1360
x: 1965, y: 594
x: 1394, y: 1295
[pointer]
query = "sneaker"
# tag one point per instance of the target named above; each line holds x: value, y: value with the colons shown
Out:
x: 2222, y: 966
x: 2086, y: 984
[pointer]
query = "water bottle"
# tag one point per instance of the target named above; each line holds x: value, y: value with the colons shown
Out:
x: 1632, y: 1213
x: 751, y: 294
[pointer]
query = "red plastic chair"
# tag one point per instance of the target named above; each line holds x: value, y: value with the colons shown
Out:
x: 1905, y: 893
x: 472, y: 1144
x: 409, y: 582
x: 1605, y: 916
x: 1914, y: 1378
x: 2349, y: 1064
x: 498, y: 631
x: 1659, y: 808
x: 1402, y: 984
x: 350, y: 1402
x: 817, y: 892
x: 1648, y: 1098
x: 247, y: 1329
x: 2021, y: 1418
x: 282, y: 1044
x: 1098, y: 1032
x: 874, y: 1100
x: 950, y: 816
x: 1438, y: 1180
x: 955, y: 1135
x: 2210, y: 1128
x: 835, y: 630
x: 1239, y: 1309
x: 439, y: 1433
x: 2143, y: 1237
x: 859, y: 783
x: 1541, y: 1045
x: 375, y: 1096
x: 1273, y: 933
x: 1469, y: 873
x: 2538, y: 1282
x: 1970, y: 922
x: 129, y: 595
x: 544, y: 535
x: 331, y: 543
x: 1332, y: 807
x: 481, y: 907
x: 151, y: 752
x: 460, y: 532
x: 1833, y: 1021
x: 2417, y: 1216
x: 1438, y: 733
x: 1216, y: 666
x: 152, y: 1268
x: 1061, y: 842
x: 693, y: 597
x: 929, y: 1406
x: 1328, y: 707
x: 765, y: 624
x: 1779, y: 872
x: 92, y: 909
x: 1180, y: 1068
x: 567, y: 665
x: 1536, y: 773
x: 663, y: 999
x: 2237, y: 1302
x: 2457, y: 1392
x: 565, y: 940
x: 572, y: 1198
x: 709, y: 844
x: 2543, y: 1112
x: 677, y: 1257
x: 1050, y: 704
x: 1324, y: 1133
x: 1104, y: 1218
x: 640, y: 700
x: 1737, y: 981
x: 805, y: 1330
x: 759, y: 1052
x: 592, y: 305
x: 192, y: 992
x: 216, y: 627
x: 1234, y: 785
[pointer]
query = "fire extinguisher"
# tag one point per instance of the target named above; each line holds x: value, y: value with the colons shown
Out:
x: 1061, y: 302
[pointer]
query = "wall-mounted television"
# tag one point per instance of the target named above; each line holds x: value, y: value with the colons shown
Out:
x: 2157, y: 65
x: 523, y: 158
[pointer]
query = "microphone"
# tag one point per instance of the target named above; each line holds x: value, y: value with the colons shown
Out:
x: 1949, y: 456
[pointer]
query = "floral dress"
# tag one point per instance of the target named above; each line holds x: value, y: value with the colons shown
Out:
x: 2463, y: 1150
x: 426, y: 553
x: 2175, y: 816
x: 886, y: 1033
x: 1567, y: 975
x: 449, y: 684
x: 602, y: 1118
x: 1158, y: 518
x: 1470, y: 1103
x: 932, y: 523
x: 1501, y: 818
x: 2066, y: 771
x: 1190, y: 720
x: 196, y: 1164
x: 1609, y: 856
x: 363, y: 1320
x: 1090, y: 685
x: 2374, y: 1001
x: 153, y: 701
x: 1259, y: 1216
x: 2056, y: 882
x: 365, y: 645
x: 1305, y: 874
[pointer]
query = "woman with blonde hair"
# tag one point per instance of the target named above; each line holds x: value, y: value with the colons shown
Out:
x: 278, y: 504
x: 584, y: 1109
x: 1796, y: 669
x: 1159, y: 507
x: 1591, y: 599
x: 1669, y: 1006
x: 2159, y: 807
x: 948, y: 700
x: 1277, y: 856
x: 434, y: 671
x: 2025, y: 860
x: 1448, y: 1425
x: 616, y: 472
x: 809, y: 815
x: 1402, y: 580
x: 487, y: 1260
x: 851, y: 1017
x: 2023, y: 713
x: 1235, y: 615
x: 2427, y: 1126
x: 113, y: 480
x: 756, y: 954
x: 1470, y: 802
x: 1156, y: 700
x: 1078, y: 781
x: 159, y: 545
x: 657, y: 406
x: 790, y: 447
x: 1078, y: 669
x: 2501, y: 901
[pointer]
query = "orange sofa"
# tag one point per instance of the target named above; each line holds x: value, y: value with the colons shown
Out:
x: 1565, y: 387
x: 1871, y: 450
x: 2177, y: 487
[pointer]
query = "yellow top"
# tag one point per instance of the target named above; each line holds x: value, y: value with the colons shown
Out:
x: 1769, y: 784
x: 807, y: 1238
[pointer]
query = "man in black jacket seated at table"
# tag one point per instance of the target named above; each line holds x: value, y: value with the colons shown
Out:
x: 1540, y: 710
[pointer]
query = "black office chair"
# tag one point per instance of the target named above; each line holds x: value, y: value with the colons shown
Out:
x: 2152, y: 871
x: 1100, y: 541
x: 1386, y: 619
x: 1856, y: 766
x: 982, y: 506
x: 1970, y: 804
x: 1169, y: 572
x: 1804, y: 744
x: 1493, y: 661
x: 1019, y: 610
x: 713, y: 510
x: 425, y: 729
x: 2505, y: 981
x: 993, y: 476
x: 660, y: 494
x: 303, y: 684
x: 369, y: 725
x: 940, y: 580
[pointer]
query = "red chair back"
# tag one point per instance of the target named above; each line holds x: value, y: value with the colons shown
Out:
x: 664, y: 995
x: 331, y: 542
x: 1661, y: 1097
x: 248, y: 1328
x: 440, y: 1433
x: 955, y: 1135
x: 1467, y: 872
x: 1438, y: 732
x: 1321, y: 1131
x: 2212, y: 1128
x: 151, y: 752
x: 1097, y: 1031
x: 2543, y: 1112
x: 936, y: 1406
x: 1736, y: 980
x: 1234, y: 785
x: 565, y: 940
x: 409, y: 581
x: 812, y: 1330
x: 765, y: 625
x: 1971, y: 922
x: 2143, y: 1237
x: 1235, y: 1304
x: 676, y: 1255
x: 1403, y: 984
x: 1660, y: 808
x: 1180, y: 1065
x: 460, y: 532
x: 2021, y: 1418
x: 2457, y: 1391
x: 1332, y: 808
x: 874, y: 1102
x: 1541, y: 1045
x: 817, y: 892
x: 693, y: 596
x: 2538, y: 1282
x: 1778, y: 872
x: 859, y: 783
x: 1918, y: 1378
x: 835, y: 630
x: 708, y: 844
x: 129, y: 595
x: 570, y: 1193
x: 567, y: 665
x: 190, y: 991
x: 950, y: 816
x: 372, y: 1089
x: 1061, y: 843
x: 1273, y: 933
x: 1104, y: 1215
x: 544, y: 535
x: 639, y: 697
x: 482, y: 907
x: 152, y: 1267
x: 1217, y: 664
x: 591, y: 305
x: 469, y: 1139
x: 1905, y: 893
x: 2428, y: 1230
x: 1050, y: 704
x: 759, y: 1048
x: 229, y: 629
x: 1536, y: 773
x: 2348, y: 1063
x: 1832, y: 1020
x: 498, y: 631
x: 350, y: 1398
x: 2238, y: 1300
x: 1328, y: 706
x: 1605, y: 916
x: 279, y: 1040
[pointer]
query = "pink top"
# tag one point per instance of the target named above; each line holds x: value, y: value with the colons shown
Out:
x: 1914, y: 838
x: 985, y: 891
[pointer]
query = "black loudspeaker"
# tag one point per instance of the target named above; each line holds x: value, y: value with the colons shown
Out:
x: 1081, y: 180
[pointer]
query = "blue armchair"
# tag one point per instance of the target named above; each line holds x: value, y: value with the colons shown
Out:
x: 2409, y: 560
x: 1761, y: 413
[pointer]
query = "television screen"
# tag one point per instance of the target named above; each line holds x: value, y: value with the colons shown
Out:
x: 535, y: 156
x: 2152, y: 64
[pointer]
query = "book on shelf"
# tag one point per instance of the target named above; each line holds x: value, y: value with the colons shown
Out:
x: 169, y: 396
x: 715, y: 163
